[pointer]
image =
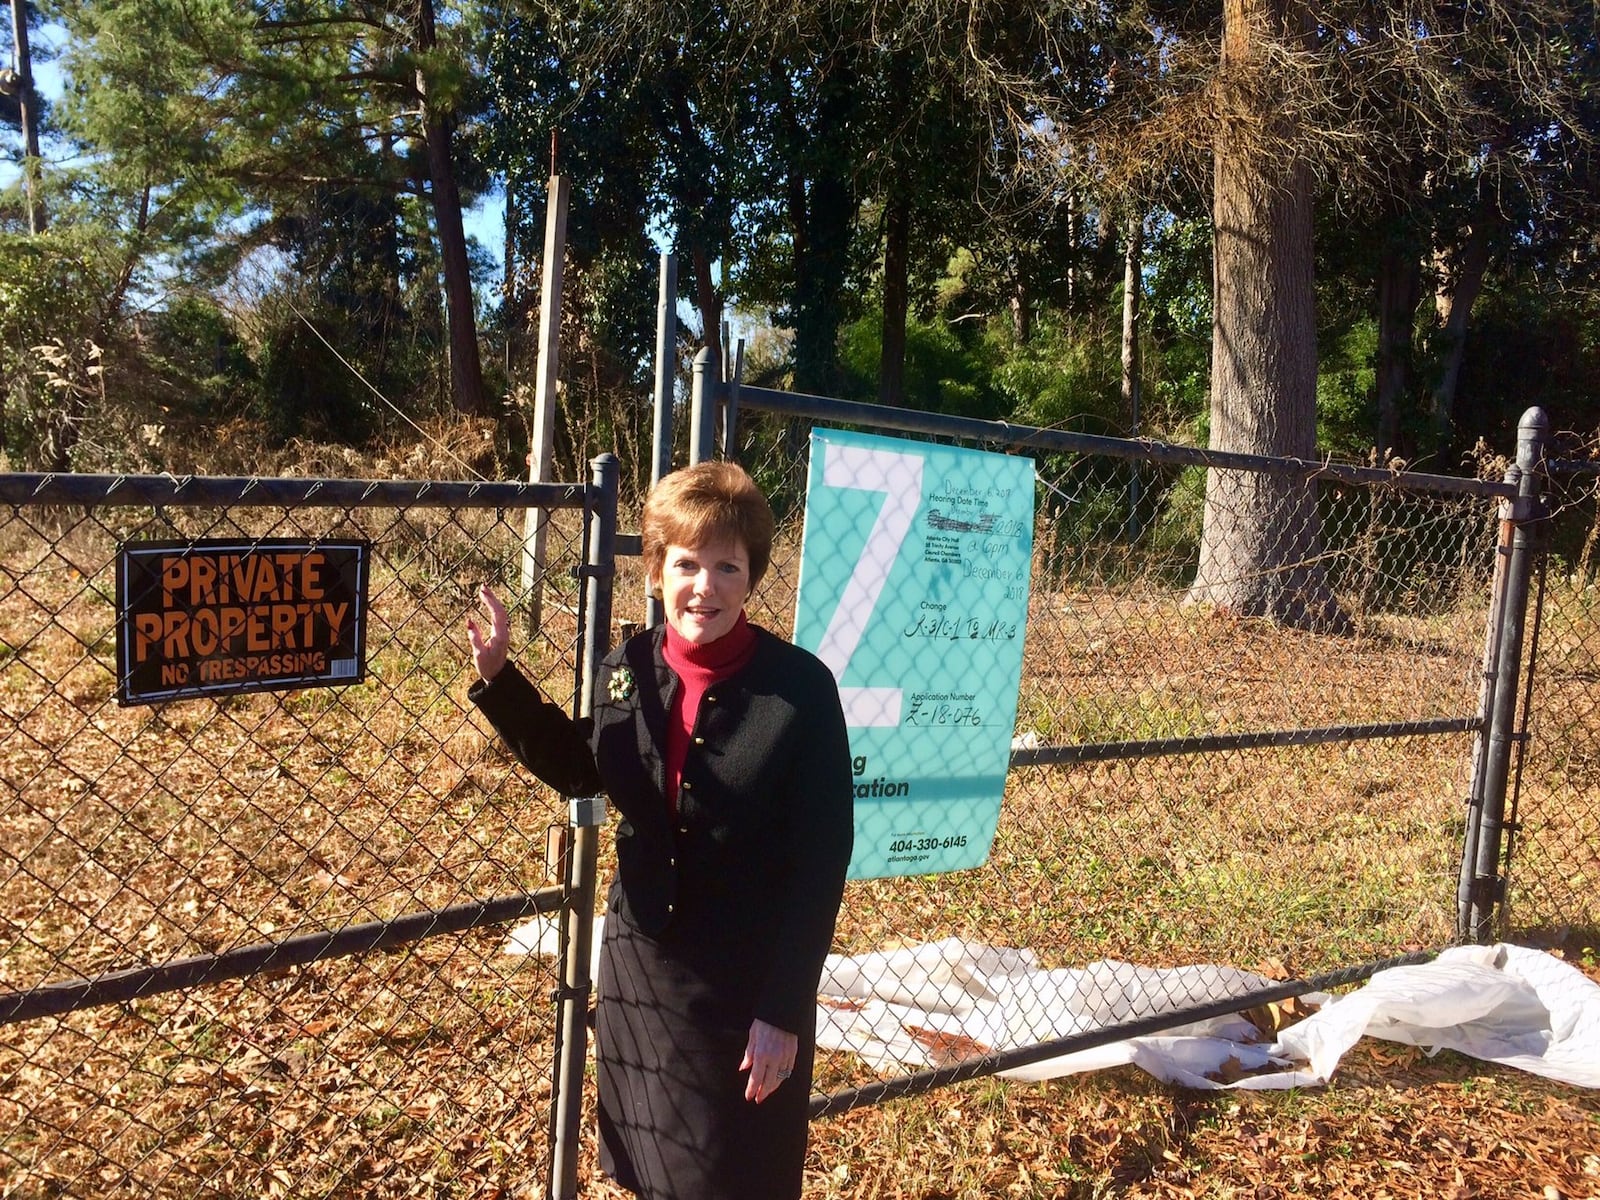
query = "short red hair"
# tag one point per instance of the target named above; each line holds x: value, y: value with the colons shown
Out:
x: 704, y: 503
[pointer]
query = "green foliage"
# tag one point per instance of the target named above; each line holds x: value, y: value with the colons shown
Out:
x: 944, y: 372
x: 1065, y: 380
x: 1527, y: 347
x: 1347, y: 392
x: 47, y: 350
x: 211, y: 130
x: 307, y: 391
x: 773, y: 148
x: 1173, y: 538
x: 1177, y: 327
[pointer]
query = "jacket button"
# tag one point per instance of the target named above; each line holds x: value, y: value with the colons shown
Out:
x: 669, y: 908
x: 672, y: 862
x: 686, y: 785
x: 699, y: 741
x: 711, y: 699
x: 683, y: 829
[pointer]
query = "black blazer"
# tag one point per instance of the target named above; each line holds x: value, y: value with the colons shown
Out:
x: 749, y: 874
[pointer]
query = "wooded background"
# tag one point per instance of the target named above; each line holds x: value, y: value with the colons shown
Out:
x: 1296, y: 227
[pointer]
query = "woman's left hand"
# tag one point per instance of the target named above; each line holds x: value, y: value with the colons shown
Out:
x: 769, y: 1057
x: 489, y: 647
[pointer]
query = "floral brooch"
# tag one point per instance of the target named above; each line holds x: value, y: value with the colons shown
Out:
x: 620, y: 685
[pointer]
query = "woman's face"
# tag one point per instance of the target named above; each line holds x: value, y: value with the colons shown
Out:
x: 703, y: 588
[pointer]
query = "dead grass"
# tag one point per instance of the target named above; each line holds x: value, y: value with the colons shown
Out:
x: 1392, y: 1123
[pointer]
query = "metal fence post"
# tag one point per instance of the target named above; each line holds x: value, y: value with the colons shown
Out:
x: 728, y: 427
x: 703, y: 408
x: 666, y: 341
x: 1482, y: 887
x: 586, y: 816
x: 666, y: 345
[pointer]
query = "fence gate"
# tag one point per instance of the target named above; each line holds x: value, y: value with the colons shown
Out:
x: 1206, y: 810
x: 254, y: 944
x: 1552, y: 828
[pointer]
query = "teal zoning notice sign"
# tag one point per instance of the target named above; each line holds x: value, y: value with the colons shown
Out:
x: 914, y: 575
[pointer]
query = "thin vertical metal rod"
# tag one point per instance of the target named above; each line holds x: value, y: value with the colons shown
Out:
x: 1483, y: 850
x: 1513, y: 825
x: 1487, y: 678
x: 703, y: 408
x: 587, y: 814
x: 729, y: 425
x: 666, y: 362
x: 542, y: 452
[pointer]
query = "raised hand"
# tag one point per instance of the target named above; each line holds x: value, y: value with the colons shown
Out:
x: 489, y: 651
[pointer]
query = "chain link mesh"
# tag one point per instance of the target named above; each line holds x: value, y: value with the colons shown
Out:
x: 148, y: 836
x: 1264, y: 774
x: 1554, y: 871
x: 1181, y: 829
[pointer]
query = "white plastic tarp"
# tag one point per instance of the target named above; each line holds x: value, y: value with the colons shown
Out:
x: 1506, y: 1004
x: 935, y: 1003
x: 940, y: 1002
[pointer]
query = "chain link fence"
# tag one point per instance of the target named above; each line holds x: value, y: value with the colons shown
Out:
x: 218, y: 971
x: 252, y: 945
x: 1226, y: 788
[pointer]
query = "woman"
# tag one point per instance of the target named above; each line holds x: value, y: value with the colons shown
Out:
x: 723, y: 750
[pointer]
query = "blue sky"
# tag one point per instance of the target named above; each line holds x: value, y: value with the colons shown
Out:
x: 485, y: 221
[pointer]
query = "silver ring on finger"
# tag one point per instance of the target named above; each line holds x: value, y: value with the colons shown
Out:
x: 784, y: 1073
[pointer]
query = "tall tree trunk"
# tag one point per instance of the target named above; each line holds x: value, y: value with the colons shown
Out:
x: 1132, y: 293
x: 820, y: 204
x: 111, y: 313
x: 1071, y: 206
x: 1132, y: 384
x: 508, y: 283
x: 1399, y: 292
x: 1261, y: 540
x: 820, y: 275
x: 708, y: 299
x: 1461, y: 270
x: 28, y: 112
x: 694, y: 197
x: 896, y: 293
x: 466, y: 368
x: 1021, y: 310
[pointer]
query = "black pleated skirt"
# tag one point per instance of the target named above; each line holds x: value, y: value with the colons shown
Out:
x: 671, y: 1023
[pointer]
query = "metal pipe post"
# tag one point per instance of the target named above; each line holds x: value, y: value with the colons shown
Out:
x: 586, y: 816
x: 666, y: 358
x: 729, y: 431
x: 541, y: 456
x: 1483, y: 888
x: 666, y: 342
x: 703, y: 408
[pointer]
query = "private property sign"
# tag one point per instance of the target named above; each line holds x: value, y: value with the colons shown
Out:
x: 212, y: 617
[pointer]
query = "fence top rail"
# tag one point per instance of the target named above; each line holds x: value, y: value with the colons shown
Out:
x: 850, y: 412
x: 1572, y: 466
x: 216, y: 490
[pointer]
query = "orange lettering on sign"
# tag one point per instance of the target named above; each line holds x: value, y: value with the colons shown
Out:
x: 311, y: 576
x: 257, y: 638
x: 202, y: 580
x: 174, y: 575
x: 174, y: 635
x: 146, y: 631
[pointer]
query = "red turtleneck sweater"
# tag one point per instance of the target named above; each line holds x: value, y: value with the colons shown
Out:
x: 699, y: 667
